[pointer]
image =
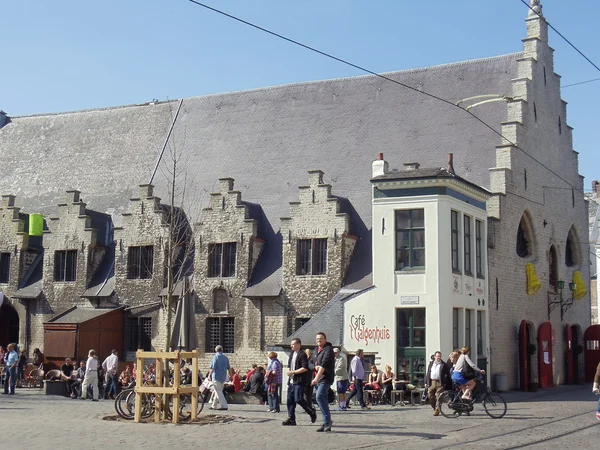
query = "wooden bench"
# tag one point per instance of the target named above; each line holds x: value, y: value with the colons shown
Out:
x: 418, y: 393
x: 399, y: 393
x: 243, y: 398
x: 55, y: 387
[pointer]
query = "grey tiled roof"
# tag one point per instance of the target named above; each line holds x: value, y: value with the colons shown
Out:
x: 80, y: 315
x: 103, y: 282
x: 329, y: 320
x: 267, y: 139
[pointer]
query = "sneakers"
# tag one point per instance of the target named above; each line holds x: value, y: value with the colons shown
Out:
x: 365, y: 408
x: 270, y: 410
x: 598, y: 415
x: 324, y: 427
x: 339, y: 408
x: 289, y: 422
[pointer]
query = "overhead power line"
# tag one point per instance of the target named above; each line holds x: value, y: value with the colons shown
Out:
x: 562, y: 36
x: 581, y: 82
x: 356, y: 66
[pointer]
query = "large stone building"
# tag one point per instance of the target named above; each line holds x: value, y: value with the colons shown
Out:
x: 291, y: 238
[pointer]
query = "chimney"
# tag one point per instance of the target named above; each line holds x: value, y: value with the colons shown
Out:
x: 411, y: 167
x: 596, y: 187
x: 3, y: 118
x: 380, y: 166
x: 451, y: 163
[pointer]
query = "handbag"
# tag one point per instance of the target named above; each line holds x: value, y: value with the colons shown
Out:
x: 468, y: 372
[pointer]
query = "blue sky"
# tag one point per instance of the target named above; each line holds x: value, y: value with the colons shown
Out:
x: 67, y: 55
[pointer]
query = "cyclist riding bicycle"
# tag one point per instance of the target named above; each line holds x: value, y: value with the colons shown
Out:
x: 461, y: 374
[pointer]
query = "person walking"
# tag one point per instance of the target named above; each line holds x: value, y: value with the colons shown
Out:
x: 275, y: 376
x: 21, y: 367
x: 91, y: 376
x: 298, y: 374
x: 438, y: 379
x: 11, y: 359
x: 324, y: 376
x: 341, y: 378
x: 110, y: 367
x: 219, y: 369
x: 357, y: 369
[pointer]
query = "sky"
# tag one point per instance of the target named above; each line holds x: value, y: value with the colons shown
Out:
x: 66, y: 55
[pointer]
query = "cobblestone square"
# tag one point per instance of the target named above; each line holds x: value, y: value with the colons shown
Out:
x: 558, y: 417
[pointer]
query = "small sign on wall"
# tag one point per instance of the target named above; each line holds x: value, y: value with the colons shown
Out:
x: 456, y: 285
x: 409, y: 299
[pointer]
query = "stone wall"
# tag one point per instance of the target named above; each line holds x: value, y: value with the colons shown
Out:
x: 315, y: 216
x: 533, y: 177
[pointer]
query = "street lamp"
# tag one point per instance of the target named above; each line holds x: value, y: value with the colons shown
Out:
x: 555, y: 300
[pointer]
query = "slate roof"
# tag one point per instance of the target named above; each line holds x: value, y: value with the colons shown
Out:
x: 417, y: 174
x: 267, y: 139
x: 103, y: 282
x: 32, y: 283
x: 329, y: 320
x: 80, y: 315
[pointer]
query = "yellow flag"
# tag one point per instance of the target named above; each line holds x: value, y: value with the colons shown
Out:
x: 580, y: 289
x: 533, y: 282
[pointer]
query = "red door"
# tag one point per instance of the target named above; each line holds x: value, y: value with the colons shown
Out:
x: 545, y: 355
x: 523, y: 356
x: 591, y: 345
x: 570, y: 357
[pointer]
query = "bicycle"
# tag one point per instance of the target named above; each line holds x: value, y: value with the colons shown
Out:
x: 125, y: 405
x: 452, y: 405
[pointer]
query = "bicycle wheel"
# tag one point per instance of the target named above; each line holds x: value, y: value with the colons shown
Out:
x: 122, y: 407
x: 147, y: 404
x: 444, y: 401
x: 494, y: 405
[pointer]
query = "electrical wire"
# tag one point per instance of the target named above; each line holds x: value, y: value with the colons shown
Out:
x: 561, y: 35
x: 581, y: 82
x: 356, y: 66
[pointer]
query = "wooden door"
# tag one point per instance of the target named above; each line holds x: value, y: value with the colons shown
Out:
x: 591, y: 339
x: 545, y: 372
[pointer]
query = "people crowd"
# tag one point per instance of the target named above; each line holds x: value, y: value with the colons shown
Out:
x: 310, y: 377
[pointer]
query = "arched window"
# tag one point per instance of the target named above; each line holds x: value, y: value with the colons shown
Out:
x: 525, y: 237
x: 572, y: 254
x: 553, y: 268
x: 220, y: 301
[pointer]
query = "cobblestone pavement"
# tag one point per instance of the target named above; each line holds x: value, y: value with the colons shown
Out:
x: 563, y: 416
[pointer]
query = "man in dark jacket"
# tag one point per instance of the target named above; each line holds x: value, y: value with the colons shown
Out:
x: 325, y: 373
x: 299, y: 375
x: 438, y: 379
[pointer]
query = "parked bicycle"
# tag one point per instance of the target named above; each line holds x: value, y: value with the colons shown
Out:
x: 451, y: 404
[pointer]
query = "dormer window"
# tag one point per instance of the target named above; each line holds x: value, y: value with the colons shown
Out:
x: 311, y: 258
x: 221, y: 259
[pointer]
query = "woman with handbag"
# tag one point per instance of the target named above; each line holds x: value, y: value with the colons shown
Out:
x: 464, y: 373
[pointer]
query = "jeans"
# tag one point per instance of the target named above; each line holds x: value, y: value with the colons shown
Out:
x: 358, y: 391
x: 323, y: 401
x: 598, y: 409
x: 112, y: 385
x: 296, y: 397
x: 274, y: 400
x: 10, y: 377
